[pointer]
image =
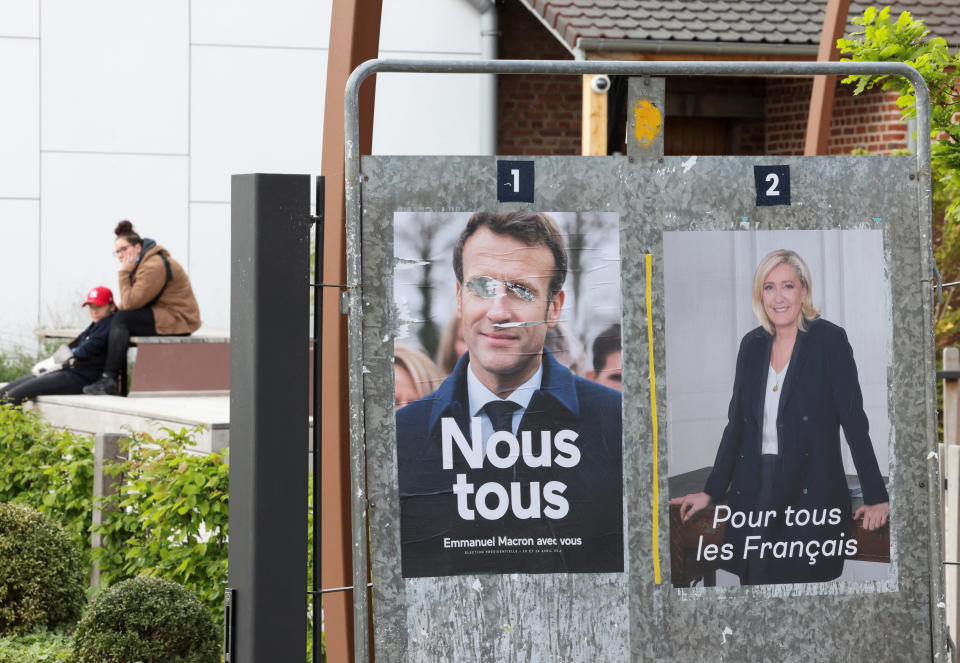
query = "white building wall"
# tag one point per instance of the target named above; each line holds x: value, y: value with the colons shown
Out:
x: 143, y: 110
x: 420, y: 114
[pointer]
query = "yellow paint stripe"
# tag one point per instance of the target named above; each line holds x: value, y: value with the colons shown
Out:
x: 653, y: 424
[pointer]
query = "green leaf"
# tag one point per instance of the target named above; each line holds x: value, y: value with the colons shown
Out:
x: 891, y: 50
x: 904, y: 20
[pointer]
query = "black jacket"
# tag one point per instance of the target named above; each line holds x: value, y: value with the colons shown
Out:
x: 821, y: 394
x: 90, y: 351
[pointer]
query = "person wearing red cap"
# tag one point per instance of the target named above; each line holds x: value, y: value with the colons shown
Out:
x: 75, y: 364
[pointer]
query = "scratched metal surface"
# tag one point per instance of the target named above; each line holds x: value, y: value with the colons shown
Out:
x: 619, y: 617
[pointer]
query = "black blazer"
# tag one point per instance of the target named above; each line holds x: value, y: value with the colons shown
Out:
x: 821, y: 394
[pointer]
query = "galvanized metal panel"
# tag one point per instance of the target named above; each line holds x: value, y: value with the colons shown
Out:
x: 590, y: 617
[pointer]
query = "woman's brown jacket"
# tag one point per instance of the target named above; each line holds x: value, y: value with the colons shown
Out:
x: 175, y: 311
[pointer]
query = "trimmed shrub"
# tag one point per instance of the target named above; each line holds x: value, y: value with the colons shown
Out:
x: 149, y: 620
x: 41, y: 576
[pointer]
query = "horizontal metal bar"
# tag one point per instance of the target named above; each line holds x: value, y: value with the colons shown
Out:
x: 948, y: 375
x: 336, y: 589
x: 621, y: 68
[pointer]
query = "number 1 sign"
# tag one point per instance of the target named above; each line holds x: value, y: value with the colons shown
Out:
x: 515, y: 181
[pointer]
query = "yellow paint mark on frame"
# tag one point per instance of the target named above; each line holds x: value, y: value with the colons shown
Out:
x: 654, y: 422
x: 647, y: 122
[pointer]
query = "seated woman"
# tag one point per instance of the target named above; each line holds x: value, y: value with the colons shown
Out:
x: 155, y: 300
x: 75, y: 364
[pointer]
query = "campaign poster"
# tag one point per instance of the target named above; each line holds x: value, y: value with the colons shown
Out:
x: 778, y: 355
x: 507, y: 381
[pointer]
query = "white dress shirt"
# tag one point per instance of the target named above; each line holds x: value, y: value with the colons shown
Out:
x: 771, y: 405
x: 478, y: 396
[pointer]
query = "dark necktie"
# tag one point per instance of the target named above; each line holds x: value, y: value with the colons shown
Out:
x: 501, y: 414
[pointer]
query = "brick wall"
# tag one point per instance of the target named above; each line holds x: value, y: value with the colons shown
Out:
x: 748, y: 137
x: 870, y: 121
x: 536, y: 114
x: 542, y: 114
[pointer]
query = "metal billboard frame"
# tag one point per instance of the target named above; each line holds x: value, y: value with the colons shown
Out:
x: 353, y: 295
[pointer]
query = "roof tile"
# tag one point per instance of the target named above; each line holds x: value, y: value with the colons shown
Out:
x: 751, y: 21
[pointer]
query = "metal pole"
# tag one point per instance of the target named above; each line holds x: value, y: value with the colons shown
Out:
x: 938, y: 613
x: 270, y: 258
x: 317, y: 422
x: 352, y: 184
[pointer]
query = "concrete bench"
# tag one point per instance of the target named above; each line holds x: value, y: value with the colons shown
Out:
x: 196, y: 365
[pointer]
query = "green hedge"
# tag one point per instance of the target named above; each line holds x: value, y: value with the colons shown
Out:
x: 47, y: 469
x: 15, y: 364
x: 169, y: 518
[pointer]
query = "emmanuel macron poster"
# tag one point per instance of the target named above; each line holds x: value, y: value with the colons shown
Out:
x: 509, y: 420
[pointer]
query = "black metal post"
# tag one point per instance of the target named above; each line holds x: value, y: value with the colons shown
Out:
x: 269, y: 320
x: 317, y: 421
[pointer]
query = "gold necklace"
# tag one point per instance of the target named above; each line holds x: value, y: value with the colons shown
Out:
x: 776, y: 386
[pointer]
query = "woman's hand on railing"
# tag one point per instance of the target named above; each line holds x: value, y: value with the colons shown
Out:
x: 874, y: 515
x: 691, y: 504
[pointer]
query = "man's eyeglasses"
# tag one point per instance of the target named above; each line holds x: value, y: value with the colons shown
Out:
x: 488, y: 287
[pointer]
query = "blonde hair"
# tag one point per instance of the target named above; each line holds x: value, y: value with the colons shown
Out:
x: 424, y: 373
x: 770, y: 262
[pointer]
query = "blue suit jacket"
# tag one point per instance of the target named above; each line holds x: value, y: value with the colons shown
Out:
x: 593, y: 487
x: 821, y: 395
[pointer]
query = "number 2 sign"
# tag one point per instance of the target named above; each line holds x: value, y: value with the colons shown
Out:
x: 773, y: 185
